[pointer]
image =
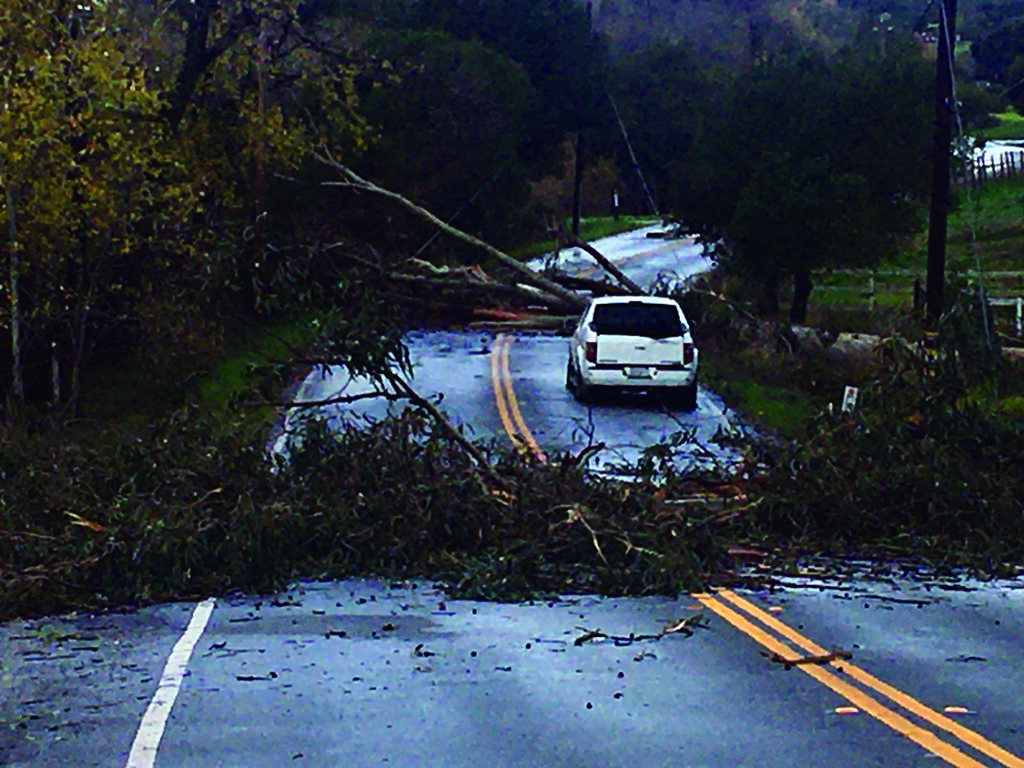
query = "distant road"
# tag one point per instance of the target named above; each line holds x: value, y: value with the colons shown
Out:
x: 643, y: 259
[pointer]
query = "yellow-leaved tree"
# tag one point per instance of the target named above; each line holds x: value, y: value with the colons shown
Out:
x: 136, y: 152
x: 86, y: 171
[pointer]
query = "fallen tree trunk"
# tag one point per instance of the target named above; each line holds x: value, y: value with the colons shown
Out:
x: 353, y: 181
x: 462, y: 282
x: 526, y: 294
x: 600, y: 258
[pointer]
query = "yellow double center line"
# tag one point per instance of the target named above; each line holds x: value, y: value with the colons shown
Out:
x: 508, y: 405
x: 744, y: 620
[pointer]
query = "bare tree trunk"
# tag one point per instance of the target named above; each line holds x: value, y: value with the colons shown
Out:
x: 77, y: 357
x: 451, y: 284
x: 17, y: 379
x: 54, y: 376
x: 260, y: 181
x: 199, y: 53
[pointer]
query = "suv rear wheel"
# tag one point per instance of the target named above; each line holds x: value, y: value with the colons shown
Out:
x: 574, y: 383
x: 686, y: 396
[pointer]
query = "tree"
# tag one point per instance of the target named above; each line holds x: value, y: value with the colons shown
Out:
x: 553, y: 41
x: 995, y: 53
x: 809, y: 161
x: 447, y: 128
x: 799, y: 214
x: 1015, y: 83
x: 138, y: 198
x: 251, y: 87
x: 81, y: 149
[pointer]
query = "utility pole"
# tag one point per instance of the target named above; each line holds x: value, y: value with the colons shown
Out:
x: 944, y: 108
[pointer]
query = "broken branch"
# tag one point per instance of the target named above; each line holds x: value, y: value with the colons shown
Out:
x: 600, y: 258
x: 439, y: 418
x: 684, y: 627
x: 824, y: 658
x: 337, y: 400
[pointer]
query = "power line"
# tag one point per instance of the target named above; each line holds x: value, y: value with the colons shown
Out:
x: 962, y: 141
x: 455, y: 215
x: 632, y: 155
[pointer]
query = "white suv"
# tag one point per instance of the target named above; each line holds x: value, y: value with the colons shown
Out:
x: 639, y: 343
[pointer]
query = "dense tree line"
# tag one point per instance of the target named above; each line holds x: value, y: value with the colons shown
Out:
x: 810, y: 161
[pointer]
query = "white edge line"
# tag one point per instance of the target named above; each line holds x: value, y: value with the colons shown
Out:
x: 151, y: 729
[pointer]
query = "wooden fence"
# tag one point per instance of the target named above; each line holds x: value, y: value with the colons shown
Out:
x: 1004, y: 290
x: 1004, y: 166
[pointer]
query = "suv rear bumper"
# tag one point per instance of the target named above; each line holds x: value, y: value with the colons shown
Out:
x: 658, y: 378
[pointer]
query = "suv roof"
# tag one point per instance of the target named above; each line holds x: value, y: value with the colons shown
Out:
x: 638, y: 298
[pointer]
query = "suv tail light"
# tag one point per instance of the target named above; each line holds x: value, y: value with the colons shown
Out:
x: 591, y: 352
x: 687, y: 352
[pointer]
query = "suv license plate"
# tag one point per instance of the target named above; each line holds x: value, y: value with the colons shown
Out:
x: 638, y: 373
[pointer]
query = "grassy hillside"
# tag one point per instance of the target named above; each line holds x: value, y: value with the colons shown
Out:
x: 1011, y: 126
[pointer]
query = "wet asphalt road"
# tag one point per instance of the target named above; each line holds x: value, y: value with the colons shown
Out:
x: 364, y: 674
x: 462, y: 367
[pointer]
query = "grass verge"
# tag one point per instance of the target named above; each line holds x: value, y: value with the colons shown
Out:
x: 756, y: 392
x: 1011, y: 126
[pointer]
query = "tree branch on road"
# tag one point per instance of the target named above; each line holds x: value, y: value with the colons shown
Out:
x: 402, y: 390
x: 336, y: 400
x: 403, y: 387
x: 600, y: 258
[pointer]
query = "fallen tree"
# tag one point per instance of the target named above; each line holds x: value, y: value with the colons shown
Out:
x: 205, y: 512
x: 355, y: 182
x: 551, y: 290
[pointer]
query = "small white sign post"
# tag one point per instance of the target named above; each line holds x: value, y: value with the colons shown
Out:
x: 849, y: 399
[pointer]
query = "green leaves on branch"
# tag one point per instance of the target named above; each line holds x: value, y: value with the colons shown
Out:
x: 187, y: 507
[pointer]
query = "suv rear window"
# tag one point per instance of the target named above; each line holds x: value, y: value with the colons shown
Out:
x: 636, y: 318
